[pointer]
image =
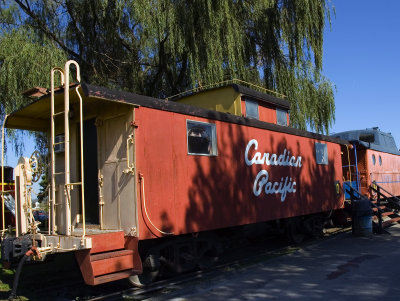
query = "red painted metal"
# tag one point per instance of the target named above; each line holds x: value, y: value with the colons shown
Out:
x: 109, y: 264
x: 114, y: 262
x: 266, y: 113
x: 107, y: 241
x: 189, y: 193
x: 385, y: 172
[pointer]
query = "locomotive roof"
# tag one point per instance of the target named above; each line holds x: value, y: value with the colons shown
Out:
x: 371, y: 138
x: 36, y: 115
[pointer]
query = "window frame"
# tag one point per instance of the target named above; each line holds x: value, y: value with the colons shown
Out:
x: 214, y: 148
x: 252, y: 102
x: 317, y: 158
x: 277, y: 119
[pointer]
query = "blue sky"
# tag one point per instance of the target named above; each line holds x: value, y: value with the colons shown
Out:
x: 361, y: 57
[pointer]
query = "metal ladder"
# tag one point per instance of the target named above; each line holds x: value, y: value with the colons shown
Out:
x: 67, y: 229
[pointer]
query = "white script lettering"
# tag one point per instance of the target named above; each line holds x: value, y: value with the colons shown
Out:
x: 283, y: 187
x: 283, y: 159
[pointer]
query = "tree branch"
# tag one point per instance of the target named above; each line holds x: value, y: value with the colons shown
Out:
x: 44, y: 28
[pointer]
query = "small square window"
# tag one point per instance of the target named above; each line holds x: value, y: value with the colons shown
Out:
x: 281, y: 117
x: 251, y: 109
x: 321, y: 152
x: 201, y: 138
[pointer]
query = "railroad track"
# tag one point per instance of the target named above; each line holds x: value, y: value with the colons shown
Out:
x: 169, y: 288
x: 65, y: 283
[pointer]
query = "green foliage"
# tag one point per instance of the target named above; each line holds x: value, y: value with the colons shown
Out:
x: 25, y: 62
x: 163, y: 47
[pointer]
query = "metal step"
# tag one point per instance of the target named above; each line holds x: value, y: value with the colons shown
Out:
x: 112, y: 262
x: 375, y: 209
x: 113, y: 277
x: 105, y: 264
x: 105, y: 242
x: 390, y: 221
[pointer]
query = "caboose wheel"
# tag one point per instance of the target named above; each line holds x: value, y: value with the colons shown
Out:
x: 294, y: 231
x: 207, y: 250
x: 151, y: 269
x: 144, y: 279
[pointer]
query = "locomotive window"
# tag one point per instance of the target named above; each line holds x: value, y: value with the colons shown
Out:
x: 201, y: 138
x: 281, y: 117
x: 368, y: 137
x: 321, y: 153
x: 380, y: 160
x: 373, y: 159
x: 251, y: 109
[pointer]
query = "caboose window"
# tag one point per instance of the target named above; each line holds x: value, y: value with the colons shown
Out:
x: 201, y: 138
x: 251, y: 109
x: 321, y: 153
x: 281, y: 117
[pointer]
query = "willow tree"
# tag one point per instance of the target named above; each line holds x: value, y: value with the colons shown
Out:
x: 163, y: 47
x: 25, y: 63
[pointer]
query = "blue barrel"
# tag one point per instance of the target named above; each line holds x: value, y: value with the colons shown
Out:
x: 362, y: 217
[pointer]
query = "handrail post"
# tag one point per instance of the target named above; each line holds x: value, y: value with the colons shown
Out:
x: 378, y: 202
x: 52, y: 221
x: 67, y: 186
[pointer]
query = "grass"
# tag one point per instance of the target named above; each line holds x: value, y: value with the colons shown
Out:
x: 6, y: 279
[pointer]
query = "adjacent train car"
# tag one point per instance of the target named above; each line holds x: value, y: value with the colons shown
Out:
x: 373, y: 159
x: 128, y: 169
x: 7, y: 218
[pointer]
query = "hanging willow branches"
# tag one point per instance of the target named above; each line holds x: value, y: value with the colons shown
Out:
x: 163, y: 47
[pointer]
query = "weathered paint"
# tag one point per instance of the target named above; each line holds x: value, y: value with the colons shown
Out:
x: 189, y: 193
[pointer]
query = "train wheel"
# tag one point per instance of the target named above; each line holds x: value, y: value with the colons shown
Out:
x: 294, y: 231
x: 144, y: 279
x: 151, y: 270
x: 207, y: 253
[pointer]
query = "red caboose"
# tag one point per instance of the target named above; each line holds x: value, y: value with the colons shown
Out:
x: 126, y: 168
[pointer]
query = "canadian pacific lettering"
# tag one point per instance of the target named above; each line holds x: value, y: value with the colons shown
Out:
x: 284, y: 159
x: 262, y: 182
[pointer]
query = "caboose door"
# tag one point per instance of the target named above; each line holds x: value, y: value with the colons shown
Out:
x: 117, y: 190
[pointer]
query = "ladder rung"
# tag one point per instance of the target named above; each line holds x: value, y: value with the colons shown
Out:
x: 76, y: 183
x: 58, y: 113
x: 59, y: 173
x: 56, y: 143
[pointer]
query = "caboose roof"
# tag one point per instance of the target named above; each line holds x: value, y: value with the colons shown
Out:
x: 36, y: 116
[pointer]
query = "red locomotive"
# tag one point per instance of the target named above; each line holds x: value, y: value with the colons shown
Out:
x: 373, y: 159
x: 134, y: 177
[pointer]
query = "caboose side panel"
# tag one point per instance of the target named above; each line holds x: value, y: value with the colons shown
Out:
x: 384, y: 170
x: 255, y: 175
